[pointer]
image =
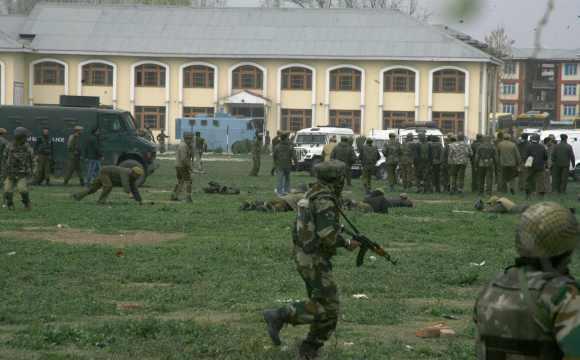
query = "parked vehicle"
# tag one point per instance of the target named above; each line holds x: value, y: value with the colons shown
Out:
x: 119, y: 141
x: 309, y: 143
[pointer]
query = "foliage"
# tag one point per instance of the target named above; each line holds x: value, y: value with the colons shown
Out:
x: 201, y: 297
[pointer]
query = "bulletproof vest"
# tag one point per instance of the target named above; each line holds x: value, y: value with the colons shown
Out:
x: 486, y: 154
x: 510, y: 322
x: 44, y: 146
x: 304, y: 234
x: 436, y: 151
x: 423, y: 151
x: 19, y: 160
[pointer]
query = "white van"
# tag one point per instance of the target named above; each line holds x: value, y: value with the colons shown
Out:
x: 309, y: 143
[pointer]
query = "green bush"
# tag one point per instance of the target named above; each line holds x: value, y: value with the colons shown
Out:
x: 242, y: 147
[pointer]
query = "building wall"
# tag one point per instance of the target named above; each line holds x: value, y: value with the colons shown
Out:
x: 371, y: 100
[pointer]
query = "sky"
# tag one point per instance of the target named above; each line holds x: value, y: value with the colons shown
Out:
x: 518, y: 17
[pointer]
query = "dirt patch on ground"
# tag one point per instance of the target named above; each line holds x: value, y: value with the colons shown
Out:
x: 78, y: 236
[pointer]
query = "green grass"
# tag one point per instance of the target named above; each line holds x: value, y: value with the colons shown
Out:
x: 200, y: 297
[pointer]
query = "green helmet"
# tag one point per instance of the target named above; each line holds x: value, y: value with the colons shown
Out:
x: 20, y: 131
x: 546, y: 230
x: 330, y: 172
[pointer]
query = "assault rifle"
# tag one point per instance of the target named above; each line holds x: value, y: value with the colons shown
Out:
x: 366, y: 244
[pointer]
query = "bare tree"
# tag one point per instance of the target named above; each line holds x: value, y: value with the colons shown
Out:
x: 499, y: 42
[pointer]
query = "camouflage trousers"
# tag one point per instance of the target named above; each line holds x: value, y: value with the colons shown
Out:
x: 183, y: 175
x: 42, y: 169
x: 19, y: 184
x: 423, y: 176
x: 73, y: 165
x: 367, y: 175
x: 392, y: 175
x: 407, y: 175
x: 457, y: 177
x: 102, y: 181
x: 320, y: 310
x: 255, y: 165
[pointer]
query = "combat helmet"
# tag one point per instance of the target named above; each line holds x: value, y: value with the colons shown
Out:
x: 330, y: 172
x: 138, y: 171
x: 21, y: 131
x: 546, y: 230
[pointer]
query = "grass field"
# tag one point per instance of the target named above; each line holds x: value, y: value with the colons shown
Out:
x: 176, y: 281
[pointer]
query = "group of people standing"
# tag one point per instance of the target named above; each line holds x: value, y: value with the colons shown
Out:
x: 432, y: 167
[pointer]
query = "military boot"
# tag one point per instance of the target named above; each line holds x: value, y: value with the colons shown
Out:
x: 275, y: 320
x: 308, y: 350
x: 26, y: 201
x: 8, y: 200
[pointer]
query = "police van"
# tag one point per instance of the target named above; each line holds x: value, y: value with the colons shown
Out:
x: 309, y: 143
x: 120, y: 144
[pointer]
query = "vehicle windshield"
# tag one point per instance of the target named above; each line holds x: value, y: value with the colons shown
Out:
x: 129, y: 121
x: 316, y: 139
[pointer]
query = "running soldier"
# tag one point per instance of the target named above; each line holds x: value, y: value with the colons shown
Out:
x: 109, y: 175
x: 18, y: 168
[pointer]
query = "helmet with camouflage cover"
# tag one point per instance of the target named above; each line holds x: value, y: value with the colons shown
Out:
x: 546, y: 230
x: 330, y: 172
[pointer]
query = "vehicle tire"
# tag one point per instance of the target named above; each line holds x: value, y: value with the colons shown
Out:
x: 129, y: 163
x: 313, y: 163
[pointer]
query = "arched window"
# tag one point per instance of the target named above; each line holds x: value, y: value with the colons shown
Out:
x: 49, y: 73
x: 97, y: 74
x: 150, y: 75
x: 345, y: 79
x: 247, y: 77
x: 198, y: 76
x: 296, y: 78
x: 399, y: 80
x: 449, y: 81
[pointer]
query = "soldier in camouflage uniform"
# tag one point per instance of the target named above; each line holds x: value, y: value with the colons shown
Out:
x: 109, y: 175
x: 183, y: 168
x: 406, y: 161
x: 73, y: 147
x: 369, y: 156
x: 345, y: 153
x: 18, y: 168
x: 486, y: 162
x: 44, y: 151
x: 316, y: 237
x: 256, y: 155
x: 436, y: 154
x: 445, y: 163
x: 3, y: 146
x: 423, y: 162
x: 458, y: 157
x: 474, y: 169
x: 392, y: 153
x: 531, y: 310
x: 199, y: 146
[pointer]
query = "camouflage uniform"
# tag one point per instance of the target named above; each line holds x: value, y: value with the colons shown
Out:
x: 44, y: 150
x: 316, y: 237
x: 369, y: 157
x: 423, y: 164
x: 531, y: 310
x: 256, y: 156
x: 436, y: 154
x: 445, y: 164
x: 183, y: 167
x: 345, y: 153
x: 562, y: 158
x: 161, y: 140
x: 3, y: 146
x: 406, y: 162
x: 127, y: 177
x: 392, y: 153
x: 73, y: 148
x: 18, y: 167
x: 458, y: 157
x: 500, y: 205
x: 199, y: 147
x: 474, y: 146
x: 486, y: 162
